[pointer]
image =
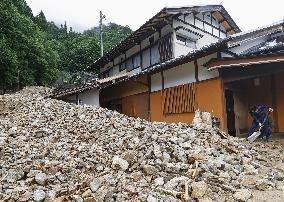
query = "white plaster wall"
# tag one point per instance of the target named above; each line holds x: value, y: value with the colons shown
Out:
x: 156, y: 82
x: 203, y: 73
x: 248, y: 44
x: 178, y: 24
x: 189, y: 18
x: 175, y: 76
x: 205, y: 40
x: 179, y: 75
x: 181, y: 49
x: 91, y: 97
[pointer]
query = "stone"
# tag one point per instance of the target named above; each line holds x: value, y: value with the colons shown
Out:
x: 119, y: 163
x: 130, y: 157
x: 151, y: 198
x: 78, y: 198
x: 198, y: 189
x: 242, y: 195
x: 101, y: 193
x: 159, y: 181
x: 39, y: 195
x: 207, y: 199
x: 263, y: 184
x: 90, y: 199
x: 95, y: 184
x: 41, y: 178
x: 87, y: 194
x: 61, y: 151
x: 13, y: 131
x: 14, y: 175
x: 3, y: 140
x: 149, y: 170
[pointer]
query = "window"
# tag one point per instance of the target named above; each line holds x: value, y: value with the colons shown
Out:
x: 129, y: 64
x: 186, y: 41
x: 165, y: 48
x: 121, y: 66
x: 136, y: 61
x: 146, y: 58
x: 191, y: 44
x: 181, y: 39
x: 155, y: 55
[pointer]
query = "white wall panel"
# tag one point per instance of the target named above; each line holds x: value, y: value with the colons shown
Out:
x: 156, y: 82
x: 181, y: 49
x: 91, y: 97
x: 179, y: 75
x: 203, y: 73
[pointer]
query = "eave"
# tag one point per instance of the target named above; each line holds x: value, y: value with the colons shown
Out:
x: 244, y: 61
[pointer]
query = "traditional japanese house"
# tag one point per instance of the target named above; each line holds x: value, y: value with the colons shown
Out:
x: 190, y: 58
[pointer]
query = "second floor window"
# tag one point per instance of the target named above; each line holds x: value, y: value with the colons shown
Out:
x: 186, y: 41
x: 122, y: 66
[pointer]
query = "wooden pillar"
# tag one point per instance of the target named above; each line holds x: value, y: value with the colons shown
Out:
x: 162, y: 91
x: 196, y: 70
x: 77, y: 99
x: 149, y: 96
x: 141, y: 57
x: 274, y: 103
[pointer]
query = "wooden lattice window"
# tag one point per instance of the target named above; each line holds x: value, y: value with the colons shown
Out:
x: 165, y: 48
x: 179, y: 99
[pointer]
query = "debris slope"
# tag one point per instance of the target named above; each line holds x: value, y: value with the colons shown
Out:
x: 55, y: 151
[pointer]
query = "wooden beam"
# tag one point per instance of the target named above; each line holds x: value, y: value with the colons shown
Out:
x: 274, y: 102
x: 149, y: 96
x: 196, y: 70
x: 244, y: 61
x: 140, y: 82
x: 221, y: 21
x: 163, y: 80
x: 162, y: 91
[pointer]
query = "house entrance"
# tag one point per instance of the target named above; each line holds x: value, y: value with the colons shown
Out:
x: 230, y: 112
x: 242, y: 94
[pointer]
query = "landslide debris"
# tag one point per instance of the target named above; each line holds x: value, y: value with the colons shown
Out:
x: 55, y: 151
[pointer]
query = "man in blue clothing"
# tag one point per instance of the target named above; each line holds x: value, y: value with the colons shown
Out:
x: 260, y: 119
x: 255, y: 121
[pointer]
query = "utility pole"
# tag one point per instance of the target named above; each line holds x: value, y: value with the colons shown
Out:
x: 102, y: 16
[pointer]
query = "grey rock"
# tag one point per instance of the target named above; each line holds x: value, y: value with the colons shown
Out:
x: 39, y: 195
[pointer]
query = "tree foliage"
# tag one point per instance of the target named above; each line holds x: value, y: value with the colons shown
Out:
x: 34, y: 51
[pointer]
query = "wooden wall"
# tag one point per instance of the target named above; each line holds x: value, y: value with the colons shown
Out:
x: 133, y: 105
x: 136, y: 105
x: 280, y: 100
x: 209, y: 97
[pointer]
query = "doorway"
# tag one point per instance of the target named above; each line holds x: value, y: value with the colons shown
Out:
x: 229, y: 95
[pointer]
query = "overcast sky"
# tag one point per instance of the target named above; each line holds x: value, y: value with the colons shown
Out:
x: 84, y: 14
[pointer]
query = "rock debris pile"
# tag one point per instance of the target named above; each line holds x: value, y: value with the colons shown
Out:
x: 54, y: 151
